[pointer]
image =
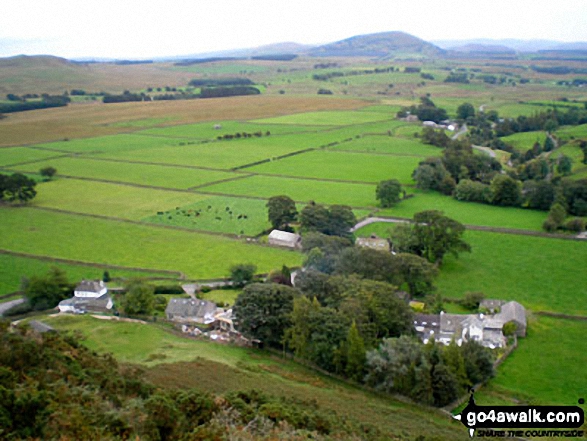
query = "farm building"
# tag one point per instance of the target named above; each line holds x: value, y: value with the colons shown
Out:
x: 485, y: 329
x: 373, y: 242
x: 284, y: 239
x: 191, y: 311
x: 88, y: 296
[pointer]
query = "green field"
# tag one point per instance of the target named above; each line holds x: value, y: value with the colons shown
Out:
x: 113, y: 200
x: 13, y: 268
x: 207, y: 130
x: 303, y: 190
x: 344, y: 166
x: 329, y: 118
x: 142, y: 174
x: 110, y: 144
x: 244, y: 216
x: 227, y: 296
x: 16, y: 155
x: 572, y: 132
x: 199, y: 256
x: 390, y: 145
x: 525, y: 141
x: 231, y: 153
x: 534, y: 371
x: 468, y: 213
x: 513, y: 267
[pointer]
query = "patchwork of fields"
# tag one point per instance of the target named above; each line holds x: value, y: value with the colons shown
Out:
x: 182, y: 195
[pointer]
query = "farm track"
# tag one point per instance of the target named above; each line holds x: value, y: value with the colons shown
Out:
x: 178, y: 274
x: 519, y: 232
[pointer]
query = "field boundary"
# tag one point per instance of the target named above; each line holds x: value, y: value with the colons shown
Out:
x: 560, y: 315
x: 180, y: 275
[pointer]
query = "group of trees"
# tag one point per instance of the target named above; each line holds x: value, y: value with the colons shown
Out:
x: 17, y: 188
x: 425, y: 111
x: 348, y: 300
x: 431, y: 374
x: 336, y: 220
x: 538, y: 181
x: 21, y: 104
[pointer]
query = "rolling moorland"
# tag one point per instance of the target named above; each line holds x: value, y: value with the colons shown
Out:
x: 176, y: 189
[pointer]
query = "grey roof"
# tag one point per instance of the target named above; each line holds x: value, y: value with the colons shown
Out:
x: 491, y: 304
x: 189, y: 308
x: 90, y: 286
x: 451, y: 322
x: 513, y: 311
x: 40, y: 327
x: 430, y: 320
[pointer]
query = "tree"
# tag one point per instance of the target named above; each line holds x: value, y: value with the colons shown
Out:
x: 549, y: 144
x: 556, y: 217
x: 564, y: 165
x: 465, y: 110
x: 44, y: 292
x: 48, y: 172
x: 538, y: 194
x: 263, y: 311
x: 336, y: 221
x: 472, y: 300
x: 505, y: 191
x: 281, y: 212
x: 400, y: 365
x: 355, y: 354
x: 388, y: 193
x: 478, y: 361
x: 416, y: 272
x: 19, y: 188
x: 139, y: 298
x: 242, y: 273
x: 431, y: 236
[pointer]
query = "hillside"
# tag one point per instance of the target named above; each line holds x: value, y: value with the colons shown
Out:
x: 483, y: 48
x: 384, y: 44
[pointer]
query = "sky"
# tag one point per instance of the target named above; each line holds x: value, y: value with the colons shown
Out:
x: 154, y: 28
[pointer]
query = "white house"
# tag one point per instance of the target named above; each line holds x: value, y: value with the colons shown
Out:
x: 88, y: 296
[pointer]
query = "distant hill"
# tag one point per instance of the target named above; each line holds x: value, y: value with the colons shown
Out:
x: 34, y: 61
x: 483, y: 48
x: 516, y: 45
x: 383, y: 44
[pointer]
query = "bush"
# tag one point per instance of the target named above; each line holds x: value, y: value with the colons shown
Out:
x: 243, y: 273
x: 549, y: 225
x: 169, y: 289
x: 472, y: 300
x: 576, y: 225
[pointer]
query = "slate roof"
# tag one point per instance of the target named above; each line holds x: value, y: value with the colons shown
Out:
x: 191, y: 309
x: 451, y: 322
x: 90, y: 286
x: 374, y: 243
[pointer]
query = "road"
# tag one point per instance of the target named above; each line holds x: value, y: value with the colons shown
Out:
x: 7, y: 305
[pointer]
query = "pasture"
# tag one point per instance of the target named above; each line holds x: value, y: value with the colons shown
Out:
x: 389, y: 145
x: 99, y: 241
x: 179, y: 178
x: 524, y: 141
x: 330, y: 118
x: 344, y: 166
x: 301, y: 190
x: 14, y: 268
x: 17, y: 155
x: 108, y: 199
x: 532, y: 374
x: 468, y: 213
x: 219, y: 214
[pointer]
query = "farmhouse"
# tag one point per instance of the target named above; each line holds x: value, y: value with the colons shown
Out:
x: 191, y: 311
x: 284, y: 239
x: 88, y: 296
x: 485, y: 329
x: 373, y: 242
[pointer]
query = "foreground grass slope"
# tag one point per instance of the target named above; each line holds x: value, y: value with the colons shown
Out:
x: 178, y: 362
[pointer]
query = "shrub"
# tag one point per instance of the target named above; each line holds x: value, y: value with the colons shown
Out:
x: 575, y: 225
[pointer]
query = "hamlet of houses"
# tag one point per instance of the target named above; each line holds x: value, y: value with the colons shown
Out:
x: 486, y: 329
